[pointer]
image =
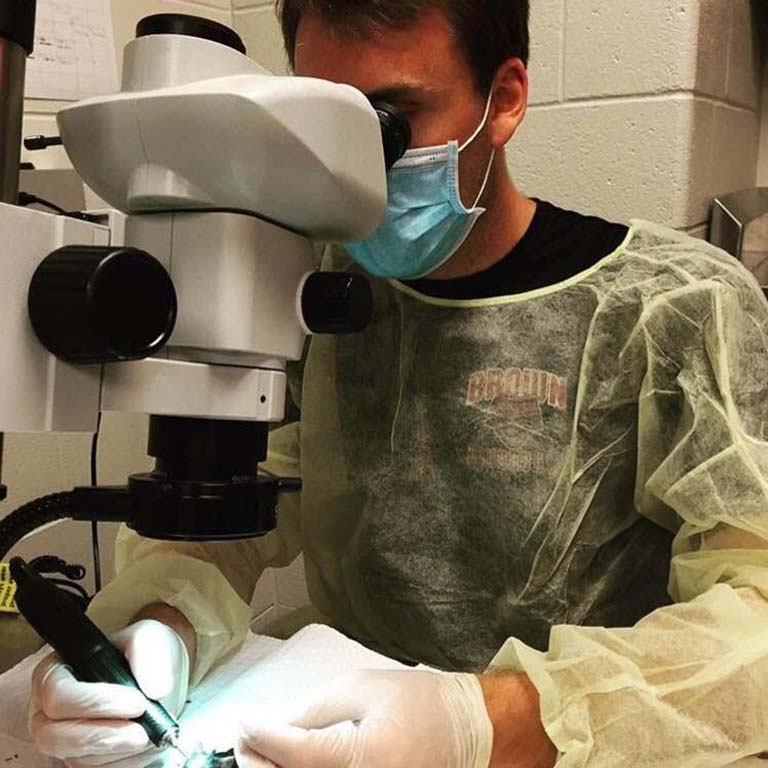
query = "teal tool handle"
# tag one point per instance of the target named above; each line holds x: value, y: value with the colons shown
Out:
x: 105, y: 664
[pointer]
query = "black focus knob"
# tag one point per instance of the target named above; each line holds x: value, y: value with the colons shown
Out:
x: 190, y: 26
x: 395, y: 131
x: 336, y: 302
x: 92, y: 304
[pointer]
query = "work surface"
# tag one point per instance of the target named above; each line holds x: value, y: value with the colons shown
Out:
x: 264, y: 672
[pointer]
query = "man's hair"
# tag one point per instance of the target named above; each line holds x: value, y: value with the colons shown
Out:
x: 489, y: 31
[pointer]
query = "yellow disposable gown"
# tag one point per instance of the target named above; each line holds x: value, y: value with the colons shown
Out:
x: 518, y: 473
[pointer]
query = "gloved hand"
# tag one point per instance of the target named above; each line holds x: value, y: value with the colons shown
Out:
x: 375, y: 719
x: 87, y: 723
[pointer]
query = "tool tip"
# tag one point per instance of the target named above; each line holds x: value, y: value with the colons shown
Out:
x: 177, y: 746
x: 171, y: 740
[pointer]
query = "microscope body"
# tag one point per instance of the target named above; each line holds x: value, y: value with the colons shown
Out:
x: 188, y: 298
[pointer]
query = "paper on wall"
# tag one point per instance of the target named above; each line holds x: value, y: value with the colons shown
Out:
x: 74, y: 56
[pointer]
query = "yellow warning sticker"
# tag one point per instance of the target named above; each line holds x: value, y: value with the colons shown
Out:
x: 7, y: 590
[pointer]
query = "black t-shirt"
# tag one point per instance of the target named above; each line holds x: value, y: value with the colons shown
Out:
x: 558, y: 244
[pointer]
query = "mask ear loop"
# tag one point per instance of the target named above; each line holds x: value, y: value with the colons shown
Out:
x: 482, y: 123
x: 493, y: 154
x: 485, y: 180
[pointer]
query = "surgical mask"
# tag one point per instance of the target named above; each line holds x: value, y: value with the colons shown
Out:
x: 426, y: 222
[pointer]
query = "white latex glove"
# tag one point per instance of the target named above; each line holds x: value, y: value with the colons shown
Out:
x: 88, y: 724
x: 375, y: 719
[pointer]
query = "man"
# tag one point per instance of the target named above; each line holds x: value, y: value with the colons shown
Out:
x: 554, y: 424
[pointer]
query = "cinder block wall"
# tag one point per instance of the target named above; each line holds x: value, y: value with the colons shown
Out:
x: 641, y: 109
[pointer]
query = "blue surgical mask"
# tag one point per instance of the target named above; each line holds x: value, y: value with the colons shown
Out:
x: 426, y: 222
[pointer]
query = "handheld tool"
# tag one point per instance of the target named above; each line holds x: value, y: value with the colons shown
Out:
x: 84, y: 647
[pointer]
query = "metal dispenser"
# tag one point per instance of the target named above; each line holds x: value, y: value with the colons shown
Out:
x: 740, y: 227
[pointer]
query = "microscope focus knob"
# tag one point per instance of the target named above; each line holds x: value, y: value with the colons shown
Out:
x: 335, y: 302
x: 93, y: 304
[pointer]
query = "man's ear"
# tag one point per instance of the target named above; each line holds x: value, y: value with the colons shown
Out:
x: 510, y: 101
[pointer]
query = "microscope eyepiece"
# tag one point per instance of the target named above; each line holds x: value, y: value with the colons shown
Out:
x: 190, y: 26
x: 395, y: 131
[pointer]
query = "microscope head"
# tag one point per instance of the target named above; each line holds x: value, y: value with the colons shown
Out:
x: 200, y: 126
x: 223, y: 177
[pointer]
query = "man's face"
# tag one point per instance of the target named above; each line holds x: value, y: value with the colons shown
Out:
x: 421, y: 69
